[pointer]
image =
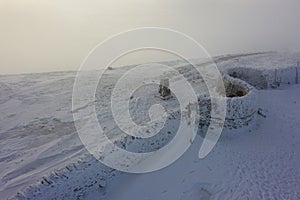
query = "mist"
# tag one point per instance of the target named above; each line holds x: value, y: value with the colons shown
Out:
x: 42, y: 36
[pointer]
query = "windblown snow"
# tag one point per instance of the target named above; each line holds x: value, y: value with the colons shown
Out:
x: 42, y: 157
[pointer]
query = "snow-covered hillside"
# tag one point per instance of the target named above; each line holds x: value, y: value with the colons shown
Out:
x: 42, y: 156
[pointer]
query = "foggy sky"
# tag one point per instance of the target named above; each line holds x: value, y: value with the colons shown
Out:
x: 42, y: 35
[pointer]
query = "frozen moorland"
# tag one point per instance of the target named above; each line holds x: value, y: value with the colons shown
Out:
x: 42, y: 156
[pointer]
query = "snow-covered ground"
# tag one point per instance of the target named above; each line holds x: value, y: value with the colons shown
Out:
x: 262, y: 163
x: 42, y: 156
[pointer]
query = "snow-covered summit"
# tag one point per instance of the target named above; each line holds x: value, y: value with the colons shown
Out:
x: 42, y: 156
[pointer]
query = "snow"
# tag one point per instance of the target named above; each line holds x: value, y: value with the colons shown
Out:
x: 259, y: 164
x: 42, y: 156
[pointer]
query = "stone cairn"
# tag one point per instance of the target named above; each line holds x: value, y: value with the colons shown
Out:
x: 164, y: 89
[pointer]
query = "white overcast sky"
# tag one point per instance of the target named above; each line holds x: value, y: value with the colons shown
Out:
x: 43, y: 35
